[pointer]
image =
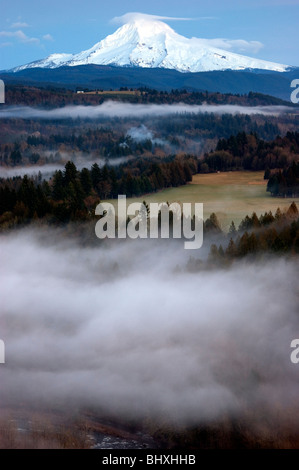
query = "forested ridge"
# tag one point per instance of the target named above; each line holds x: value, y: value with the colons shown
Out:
x: 249, y: 152
x: 58, y: 97
x: 270, y: 234
x: 31, y: 142
x: 284, y: 183
x: 72, y: 194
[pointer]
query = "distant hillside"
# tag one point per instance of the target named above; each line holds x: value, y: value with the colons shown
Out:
x: 107, y: 77
x: 51, y: 97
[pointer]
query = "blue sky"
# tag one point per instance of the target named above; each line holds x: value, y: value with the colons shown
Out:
x: 31, y: 30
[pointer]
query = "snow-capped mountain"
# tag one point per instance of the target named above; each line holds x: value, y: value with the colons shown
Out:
x: 149, y: 43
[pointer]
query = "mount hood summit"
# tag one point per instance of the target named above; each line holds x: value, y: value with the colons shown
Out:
x: 150, y: 43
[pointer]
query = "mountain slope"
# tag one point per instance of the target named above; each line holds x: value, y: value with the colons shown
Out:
x: 107, y: 77
x: 148, y: 43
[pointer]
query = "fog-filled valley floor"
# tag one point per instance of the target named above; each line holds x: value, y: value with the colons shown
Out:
x: 123, y: 330
x: 141, y: 343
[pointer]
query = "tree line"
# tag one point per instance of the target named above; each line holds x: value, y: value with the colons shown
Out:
x: 51, y: 96
x: 284, y: 183
x: 47, y: 142
x: 249, y: 152
x: 72, y: 194
x: 276, y: 234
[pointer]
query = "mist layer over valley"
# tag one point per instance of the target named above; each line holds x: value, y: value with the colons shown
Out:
x: 34, y: 139
x: 118, y: 328
x: 112, y: 109
x: 142, y: 333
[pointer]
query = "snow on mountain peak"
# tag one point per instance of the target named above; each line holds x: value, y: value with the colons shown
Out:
x: 146, y: 41
x: 148, y: 29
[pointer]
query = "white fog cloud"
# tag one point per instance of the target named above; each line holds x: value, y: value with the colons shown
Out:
x: 19, y: 35
x: 116, y: 327
x: 19, y: 24
x: 48, y: 37
x: 110, y: 109
x: 142, y: 133
x: 236, y: 45
x: 48, y: 169
x: 135, y: 16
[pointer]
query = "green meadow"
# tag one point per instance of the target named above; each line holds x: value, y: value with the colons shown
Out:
x: 231, y: 195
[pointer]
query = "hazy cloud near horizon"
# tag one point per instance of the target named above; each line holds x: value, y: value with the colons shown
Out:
x: 118, y: 328
x: 111, y: 109
x: 143, y: 133
x: 49, y: 169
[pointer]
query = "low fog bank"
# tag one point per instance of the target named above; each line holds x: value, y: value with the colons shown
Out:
x: 49, y: 169
x: 116, y: 327
x: 111, y: 109
x: 142, y: 133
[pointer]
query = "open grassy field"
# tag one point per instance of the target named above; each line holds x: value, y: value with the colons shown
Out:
x: 231, y: 195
